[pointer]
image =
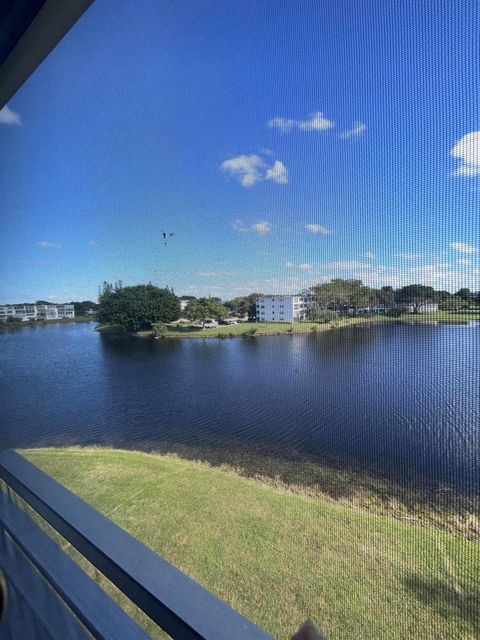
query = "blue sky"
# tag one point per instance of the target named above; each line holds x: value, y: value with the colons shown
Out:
x: 284, y: 143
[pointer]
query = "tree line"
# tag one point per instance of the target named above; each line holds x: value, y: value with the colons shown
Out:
x: 146, y: 306
x: 340, y: 294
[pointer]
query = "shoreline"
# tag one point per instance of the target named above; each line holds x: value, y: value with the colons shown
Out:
x: 5, y: 326
x: 419, y: 502
x: 260, y: 329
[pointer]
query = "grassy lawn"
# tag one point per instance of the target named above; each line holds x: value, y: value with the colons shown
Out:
x: 278, y: 556
x: 281, y: 328
x: 260, y: 328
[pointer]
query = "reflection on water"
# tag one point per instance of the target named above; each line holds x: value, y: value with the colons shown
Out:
x: 403, y: 397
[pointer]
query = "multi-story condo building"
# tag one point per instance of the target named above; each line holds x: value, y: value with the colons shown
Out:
x: 25, y: 312
x: 282, y: 308
x: 54, y: 311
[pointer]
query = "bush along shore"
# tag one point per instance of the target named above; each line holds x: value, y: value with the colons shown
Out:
x: 252, y: 329
x: 363, y: 557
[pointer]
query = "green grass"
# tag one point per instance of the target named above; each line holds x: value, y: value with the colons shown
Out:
x: 279, y: 556
x: 282, y: 328
x: 235, y: 330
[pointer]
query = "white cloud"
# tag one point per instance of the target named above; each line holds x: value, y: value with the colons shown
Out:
x: 304, y: 266
x: 439, y: 276
x: 408, y: 256
x: 434, y: 275
x: 48, y: 245
x: 316, y: 122
x: 357, y: 130
x: 284, y: 124
x: 347, y: 265
x: 467, y: 149
x: 248, y: 169
x: 464, y: 261
x: 369, y: 254
x: 277, y: 173
x: 239, y: 226
x: 317, y: 228
x: 252, y: 169
x: 261, y: 227
x: 9, y: 117
x: 463, y: 248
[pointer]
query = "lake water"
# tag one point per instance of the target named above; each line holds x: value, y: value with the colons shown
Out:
x: 403, y: 397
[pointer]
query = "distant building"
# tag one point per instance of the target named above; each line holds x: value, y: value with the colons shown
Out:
x: 25, y: 312
x: 282, y: 308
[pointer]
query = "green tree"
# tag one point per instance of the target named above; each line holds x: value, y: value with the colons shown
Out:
x: 244, y: 305
x: 160, y: 330
x: 138, y: 307
x: 81, y: 308
x: 339, y: 294
x: 386, y: 296
x: 317, y: 313
x: 205, y: 309
x: 464, y: 294
x: 450, y: 302
x: 331, y: 294
x: 442, y: 295
x: 415, y: 295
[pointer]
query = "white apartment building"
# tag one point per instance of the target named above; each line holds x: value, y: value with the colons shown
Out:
x: 25, y: 312
x: 54, y: 311
x: 282, y: 308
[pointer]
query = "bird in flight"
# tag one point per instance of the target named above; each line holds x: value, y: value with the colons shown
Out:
x: 166, y: 235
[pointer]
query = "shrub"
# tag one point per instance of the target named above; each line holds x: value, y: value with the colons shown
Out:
x: 160, y: 330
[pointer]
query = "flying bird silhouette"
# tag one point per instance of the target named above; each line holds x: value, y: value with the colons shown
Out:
x: 166, y: 235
